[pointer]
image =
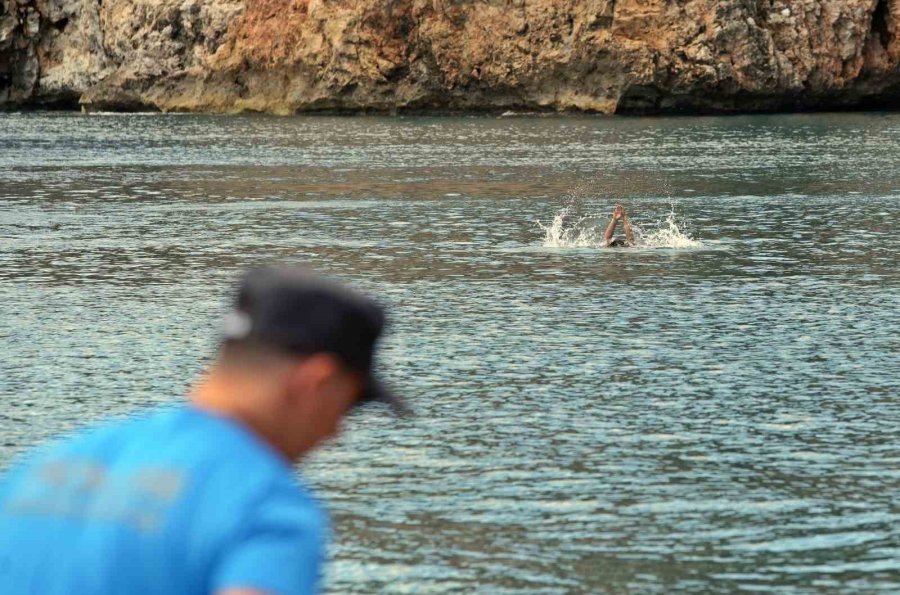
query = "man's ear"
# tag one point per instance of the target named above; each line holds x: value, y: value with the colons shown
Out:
x: 311, y: 375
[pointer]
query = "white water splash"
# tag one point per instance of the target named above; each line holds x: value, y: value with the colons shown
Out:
x: 666, y: 234
x: 587, y: 232
x: 563, y: 233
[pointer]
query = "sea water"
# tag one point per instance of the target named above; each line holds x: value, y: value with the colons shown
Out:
x: 715, y: 410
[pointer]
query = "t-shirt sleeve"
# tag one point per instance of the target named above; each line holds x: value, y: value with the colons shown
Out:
x: 279, y: 550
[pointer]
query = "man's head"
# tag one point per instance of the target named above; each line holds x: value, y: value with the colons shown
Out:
x: 297, y: 355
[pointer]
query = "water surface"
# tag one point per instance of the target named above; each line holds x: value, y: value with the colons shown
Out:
x: 713, y: 418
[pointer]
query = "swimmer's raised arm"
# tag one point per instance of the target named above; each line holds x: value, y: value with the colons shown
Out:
x: 618, y: 213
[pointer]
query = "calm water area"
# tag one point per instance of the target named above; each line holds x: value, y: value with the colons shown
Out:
x: 716, y: 411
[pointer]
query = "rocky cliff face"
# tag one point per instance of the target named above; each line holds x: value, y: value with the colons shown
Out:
x: 607, y: 56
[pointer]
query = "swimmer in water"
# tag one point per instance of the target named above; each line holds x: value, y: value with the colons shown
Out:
x: 609, y: 242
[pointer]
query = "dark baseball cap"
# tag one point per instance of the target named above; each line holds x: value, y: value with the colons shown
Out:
x: 297, y: 311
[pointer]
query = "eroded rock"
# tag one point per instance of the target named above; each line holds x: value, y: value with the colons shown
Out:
x: 284, y: 56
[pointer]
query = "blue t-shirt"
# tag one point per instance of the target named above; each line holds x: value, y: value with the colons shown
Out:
x: 175, y: 501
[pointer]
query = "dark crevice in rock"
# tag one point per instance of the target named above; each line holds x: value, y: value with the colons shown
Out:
x: 604, y: 18
x: 761, y: 16
x: 638, y: 100
x: 404, y: 26
x: 641, y: 102
x: 396, y: 73
x: 879, y: 23
x: 241, y: 84
x: 124, y: 105
x: 887, y: 99
x: 61, y: 24
x: 60, y: 102
x: 602, y: 22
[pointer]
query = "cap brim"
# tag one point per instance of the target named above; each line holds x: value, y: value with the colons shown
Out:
x: 378, y: 392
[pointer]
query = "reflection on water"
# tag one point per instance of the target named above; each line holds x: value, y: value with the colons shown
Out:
x: 711, y: 419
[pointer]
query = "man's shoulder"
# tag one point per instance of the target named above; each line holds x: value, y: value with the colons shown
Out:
x: 213, y: 452
x: 224, y: 455
x: 81, y: 439
x: 110, y: 434
x: 217, y: 469
x: 175, y: 437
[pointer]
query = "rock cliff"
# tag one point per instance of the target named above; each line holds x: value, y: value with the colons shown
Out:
x: 609, y: 56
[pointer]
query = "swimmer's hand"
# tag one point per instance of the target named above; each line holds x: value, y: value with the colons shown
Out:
x: 618, y: 212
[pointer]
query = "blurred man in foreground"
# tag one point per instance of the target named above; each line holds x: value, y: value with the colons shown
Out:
x: 203, y: 498
x: 619, y: 214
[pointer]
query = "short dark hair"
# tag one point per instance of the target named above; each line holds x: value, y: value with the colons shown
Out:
x: 236, y: 352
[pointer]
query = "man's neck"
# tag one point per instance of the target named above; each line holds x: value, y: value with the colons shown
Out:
x: 240, y: 398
